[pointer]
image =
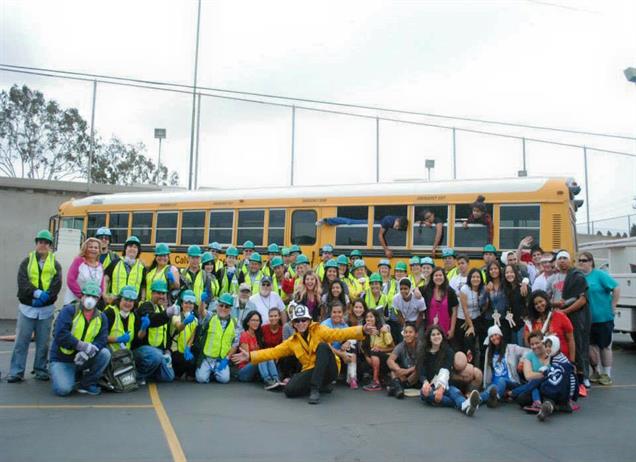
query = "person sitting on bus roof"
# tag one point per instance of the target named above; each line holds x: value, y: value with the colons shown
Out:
x: 480, y: 216
x: 127, y: 271
x: 431, y: 221
x: 386, y: 223
x: 106, y: 256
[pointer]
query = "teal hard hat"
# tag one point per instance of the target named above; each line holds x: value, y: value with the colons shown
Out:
x: 284, y: 251
x: 232, y: 252
x: 273, y: 248
x: 448, y: 252
x: 358, y: 264
x: 415, y: 260
x: 188, y: 296
x: 256, y: 257
x: 375, y: 277
x: 44, y: 235
x: 355, y: 253
x: 490, y: 248
x: 207, y: 257
x: 226, y: 299
x: 128, y: 292
x: 342, y: 260
x: 331, y: 263
x: 132, y: 240
x: 159, y: 285
x: 91, y: 288
x: 162, y: 249
x: 294, y: 248
x: 215, y: 246
x: 400, y: 266
x: 103, y: 231
x: 327, y: 248
x: 384, y: 262
x: 427, y: 261
x: 248, y: 245
x: 276, y: 261
x: 194, y: 251
x: 302, y: 259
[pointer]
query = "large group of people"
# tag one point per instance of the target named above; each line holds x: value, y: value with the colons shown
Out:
x: 530, y: 326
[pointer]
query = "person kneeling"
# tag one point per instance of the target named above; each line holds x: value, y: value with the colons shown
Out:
x: 310, y: 345
x: 79, y: 348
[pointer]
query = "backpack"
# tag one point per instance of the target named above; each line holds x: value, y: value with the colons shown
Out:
x: 121, y: 375
x: 200, y: 333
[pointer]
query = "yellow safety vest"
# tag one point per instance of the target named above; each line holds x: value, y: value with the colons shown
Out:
x: 218, y: 265
x: 291, y: 271
x: 185, y: 335
x: 393, y: 290
x: 320, y: 271
x: 121, y: 277
x: 452, y: 273
x: 154, y: 275
x: 83, y: 332
x: 118, y: 328
x: 158, y: 336
x: 256, y: 283
x: 218, y: 341
x: 41, y: 278
x: 421, y: 284
x: 228, y: 286
x: 356, y: 287
x: 108, y: 260
x: 197, y: 285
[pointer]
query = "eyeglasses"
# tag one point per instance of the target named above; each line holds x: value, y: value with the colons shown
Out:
x: 584, y: 260
x: 265, y: 284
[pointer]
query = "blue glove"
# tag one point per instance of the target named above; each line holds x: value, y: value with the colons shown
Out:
x: 124, y: 338
x: 188, y: 319
x: 170, y: 277
x: 37, y: 293
x: 44, y: 298
x: 205, y: 297
x: 36, y: 303
x: 221, y: 364
x: 187, y: 354
x: 145, y: 323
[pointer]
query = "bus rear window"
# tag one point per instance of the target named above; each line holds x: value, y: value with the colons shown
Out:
x: 517, y: 222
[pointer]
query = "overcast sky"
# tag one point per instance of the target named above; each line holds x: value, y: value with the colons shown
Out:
x: 556, y: 64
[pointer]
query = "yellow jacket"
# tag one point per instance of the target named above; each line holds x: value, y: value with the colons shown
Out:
x: 305, y: 351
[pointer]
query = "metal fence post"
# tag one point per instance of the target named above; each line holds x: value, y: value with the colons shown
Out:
x: 293, y: 143
x: 377, y: 149
x: 587, y: 191
x: 196, y: 162
x: 454, y: 155
x: 91, y: 151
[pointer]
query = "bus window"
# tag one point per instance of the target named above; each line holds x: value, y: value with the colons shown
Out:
x: 425, y: 225
x: 221, y: 225
x: 303, y: 230
x: 250, y: 226
x: 192, y: 227
x: 118, y: 225
x: 471, y: 235
x: 517, y: 222
x: 73, y: 223
x: 276, y: 230
x: 142, y: 226
x: 354, y: 234
x: 166, y: 231
x: 95, y: 221
x: 382, y: 214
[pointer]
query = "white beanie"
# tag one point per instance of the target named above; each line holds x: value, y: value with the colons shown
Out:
x: 493, y: 330
x: 556, y: 344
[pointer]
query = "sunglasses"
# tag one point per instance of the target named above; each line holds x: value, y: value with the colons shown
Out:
x: 298, y: 321
x: 265, y: 284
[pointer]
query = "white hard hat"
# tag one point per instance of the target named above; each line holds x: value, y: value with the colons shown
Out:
x: 300, y: 312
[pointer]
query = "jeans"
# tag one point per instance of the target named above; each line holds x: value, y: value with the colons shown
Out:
x: 151, y: 364
x: 26, y: 326
x: 208, y: 368
x: 321, y: 375
x: 334, y: 221
x: 452, y: 398
x: 531, y: 387
x: 501, y: 385
x: 64, y: 376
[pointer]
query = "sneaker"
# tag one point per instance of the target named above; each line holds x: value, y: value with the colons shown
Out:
x: 353, y: 384
x: 390, y: 390
x: 582, y: 391
x: 586, y: 383
x: 373, y: 386
x: 493, y: 399
x: 399, y: 391
x: 14, y: 379
x: 595, y: 377
x: 42, y: 376
x: 285, y: 381
x: 547, y: 408
x: 605, y: 380
x: 92, y: 390
x: 473, y: 400
x: 314, y: 396
x: 271, y: 384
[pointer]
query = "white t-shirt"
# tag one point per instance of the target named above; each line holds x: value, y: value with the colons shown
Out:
x: 263, y: 304
x: 457, y: 282
x: 409, y: 309
x: 473, y: 303
x: 540, y: 283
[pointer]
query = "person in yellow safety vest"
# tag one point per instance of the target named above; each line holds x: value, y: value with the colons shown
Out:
x: 343, y: 268
x: 194, y: 278
x: 389, y: 285
x: 39, y: 283
x: 427, y: 268
x: 219, y: 342
x: 254, y: 273
x: 489, y: 256
x: 213, y: 287
x: 400, y: 272
x: 450, y: 263
x: 248, y: 250
x: 377, y: 298
x: 360, y: 281
x: 216, y: 250
x: 310, y: 344
x: 161, y: 270
x: 150, y: 346
x: 294, y: 253
x: 107, y: 256
x: 278, y: 278
x: 128, y: 271
x: 326, y: 254
x: 272, y: 251
x: 374, y: 297
x: 284, y: 253
x: 417, y: 278
x: 183, y: 328
x: 302, y: 266
x: 229, y: 276
x: 122, y: 319
x: 79, y: 348
x: 330, y: 275
x: 355, y: 255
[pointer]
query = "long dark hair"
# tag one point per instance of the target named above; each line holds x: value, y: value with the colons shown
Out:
x: 426, y: 346
x: 533, y: 314
x: 489, y: 277
x: 259, y: 332
x: 509, y: 287
x: 153, y: 265
x: 479, y: 204
x: 500, y: 350
x: 430, y: 286
x: 470, y: 276
x: 379, y: 322
x: 342, y: 298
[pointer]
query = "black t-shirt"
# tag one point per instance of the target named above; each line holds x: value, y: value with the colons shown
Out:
x: 430, y: 367
x: 436, y: 221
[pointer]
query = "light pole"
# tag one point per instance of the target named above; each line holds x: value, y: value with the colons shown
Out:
x: 160, y: 133
x: 429, y: 164
x: 194, y: 98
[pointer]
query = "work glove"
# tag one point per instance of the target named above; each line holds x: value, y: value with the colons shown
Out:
x: 91, y: 350
x: 44, y: 298
x: 221, y: 364
x: 37, y: 293
x: 172, y: 310
x: 188, y: 319
x: 36, y: 303
x: 145, y: 323
x: 124, y: 338
x: 187, y: 354
x: 205, y: 297
x: 80, y: 358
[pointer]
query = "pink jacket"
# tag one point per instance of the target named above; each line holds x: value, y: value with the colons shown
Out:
x: 78, y: 271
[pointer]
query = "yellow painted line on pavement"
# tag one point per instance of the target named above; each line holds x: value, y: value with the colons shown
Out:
x: 76, y: 406
x: 173, y: 442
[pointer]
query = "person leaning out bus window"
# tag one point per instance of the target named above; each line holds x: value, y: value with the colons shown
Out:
x: 429, y: 220
x: 480, y: 216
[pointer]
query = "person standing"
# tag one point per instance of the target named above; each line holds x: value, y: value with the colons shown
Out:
x: 106, y: 256
x: 127, y: 271
x: 39, y: 283
x: 84, y: 268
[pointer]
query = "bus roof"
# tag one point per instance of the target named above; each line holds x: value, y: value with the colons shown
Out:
x: 476, y: 186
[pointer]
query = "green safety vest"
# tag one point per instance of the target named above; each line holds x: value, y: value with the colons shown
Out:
x: 393, y: 289
x: 110, y: 256
x: 83, y: 332
x: 218, y: 341
x: 153, y: 275
x: 121, y: 277
x: 198, y: 286
x: 185, y: 335
x: 218, y: 265
x: 41, y: 277
x: 452, y: 273
x: 158, y: 336
x: 421, y: 284
x: 118, y: 328
x: 320, y: 271
x: 255, y: 284
x: 228, y: 286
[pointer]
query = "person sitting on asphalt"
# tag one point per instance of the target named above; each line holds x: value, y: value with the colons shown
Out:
x: 310, y: 345
x: 434, y: 363
x: 78, y: 350
x: 220, y: 339
x: 376, y: 349
x: 465, y: 376
x: 402, y: 362
x: 251, y: 340
x: 183, y: 328
x: 534, y: 363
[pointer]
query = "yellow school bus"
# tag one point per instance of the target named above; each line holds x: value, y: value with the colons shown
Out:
x: 540, y: 207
